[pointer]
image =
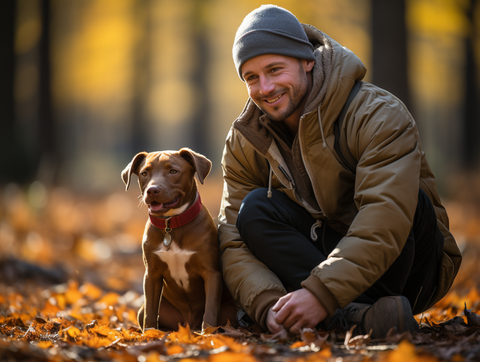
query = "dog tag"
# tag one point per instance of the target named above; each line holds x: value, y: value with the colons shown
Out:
x: 167, y: 239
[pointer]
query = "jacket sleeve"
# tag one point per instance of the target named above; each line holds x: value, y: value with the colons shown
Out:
x: 383, y: 137
x: 251, y: 283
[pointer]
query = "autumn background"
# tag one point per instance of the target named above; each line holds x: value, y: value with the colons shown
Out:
x: 86, y: 84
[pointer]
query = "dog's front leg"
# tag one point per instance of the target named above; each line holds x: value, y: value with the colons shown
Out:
x: 213, y: 292
x: 152, y: 287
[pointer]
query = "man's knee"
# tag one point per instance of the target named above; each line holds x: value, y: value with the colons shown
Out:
x: 251, y: 206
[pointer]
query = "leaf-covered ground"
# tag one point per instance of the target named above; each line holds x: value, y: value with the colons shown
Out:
x: 70, y: 285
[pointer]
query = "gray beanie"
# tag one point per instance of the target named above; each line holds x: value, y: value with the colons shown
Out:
x: 270, y: 29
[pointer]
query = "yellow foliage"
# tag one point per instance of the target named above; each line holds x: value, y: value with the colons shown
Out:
x: 404, y: 352
x: 91, y: 291
x: 50, y: 310
x: 231, y: 357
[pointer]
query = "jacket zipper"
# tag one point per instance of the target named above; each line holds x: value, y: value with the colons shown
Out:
x: 322, y: 209
x: 278, y: 178
x: 285, y: 173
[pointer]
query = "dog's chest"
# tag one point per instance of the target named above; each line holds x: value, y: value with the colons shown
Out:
x: 176, y: 260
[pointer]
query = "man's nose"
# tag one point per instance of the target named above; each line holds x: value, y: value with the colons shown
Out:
x: 266, y: 85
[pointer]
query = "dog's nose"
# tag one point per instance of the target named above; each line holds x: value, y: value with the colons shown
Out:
x: 153, y: 190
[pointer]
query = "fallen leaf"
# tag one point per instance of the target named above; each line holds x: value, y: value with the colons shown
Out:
x: 472, y: 318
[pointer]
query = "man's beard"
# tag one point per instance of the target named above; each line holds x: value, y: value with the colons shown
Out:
x: 292, y: 106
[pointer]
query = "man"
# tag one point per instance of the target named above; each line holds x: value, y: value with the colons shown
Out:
x: 311, y: 231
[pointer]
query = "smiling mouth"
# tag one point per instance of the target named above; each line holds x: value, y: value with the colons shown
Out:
x: 157, y: 206
x: 274, y: 99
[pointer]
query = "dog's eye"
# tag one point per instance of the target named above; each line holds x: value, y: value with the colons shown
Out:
x: 173, y: 172
x: 144, y: 173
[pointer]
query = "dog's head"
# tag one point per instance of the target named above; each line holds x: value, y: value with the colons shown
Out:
x: 166, y: 178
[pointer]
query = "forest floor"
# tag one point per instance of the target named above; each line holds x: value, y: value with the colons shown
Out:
x: 71, y: 283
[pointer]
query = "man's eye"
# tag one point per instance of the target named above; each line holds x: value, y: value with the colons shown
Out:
x: 173, y: 172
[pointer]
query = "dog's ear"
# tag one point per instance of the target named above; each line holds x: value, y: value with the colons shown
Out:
x: 132, y: 168
x: 201, y: 164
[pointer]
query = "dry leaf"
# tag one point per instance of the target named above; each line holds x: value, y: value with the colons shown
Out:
x: 472, y: 318
x: 90, y: 315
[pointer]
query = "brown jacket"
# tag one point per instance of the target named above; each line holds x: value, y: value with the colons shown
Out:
x: 373, y: 208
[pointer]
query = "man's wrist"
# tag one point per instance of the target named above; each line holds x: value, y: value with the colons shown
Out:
x: 262, y: 304
x: 322, y: 293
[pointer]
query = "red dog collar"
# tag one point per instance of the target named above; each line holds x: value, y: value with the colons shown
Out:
x: 178, y: 220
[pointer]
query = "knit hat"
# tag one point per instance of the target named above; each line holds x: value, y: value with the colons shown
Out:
x: 270, y: 29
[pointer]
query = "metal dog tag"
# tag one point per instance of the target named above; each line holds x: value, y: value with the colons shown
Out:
x: 167, y: 239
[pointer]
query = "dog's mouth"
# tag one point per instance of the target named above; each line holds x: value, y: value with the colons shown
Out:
x: 155, y: 206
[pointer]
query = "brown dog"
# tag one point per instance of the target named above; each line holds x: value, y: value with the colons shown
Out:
x: 180, y: 246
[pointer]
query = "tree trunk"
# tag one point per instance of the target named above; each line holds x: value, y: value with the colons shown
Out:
x: 470, y: 129
x: 390, y: 58
x: 7, y: 101
x: 47, y: 138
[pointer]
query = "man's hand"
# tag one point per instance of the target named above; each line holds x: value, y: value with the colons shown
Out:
x: 297, y: 310
x: 273, y: 326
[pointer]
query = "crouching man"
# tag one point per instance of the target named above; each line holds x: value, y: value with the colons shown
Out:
x: 326, y: 217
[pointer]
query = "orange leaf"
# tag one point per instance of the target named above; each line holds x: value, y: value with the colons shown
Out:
x: 74, y: 332
x: 174, y: 349
x: 44, y: 344
x: 322, y: 355
x: 91, y: 291
x: 183, y: 335
x: 153, y: 333
x: 129, y: 315
x: 61, y: 301
x: 96, y: 342
x: 298, y: 345
x: 404, y: 352
x: 109, y: 299
x: 233, y: 344
x: 231, y: 357
x: 72, y: 295
x: 50, y: 310
x: 153, y: 356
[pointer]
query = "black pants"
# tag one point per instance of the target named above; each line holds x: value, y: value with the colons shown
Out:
x: 277, y: 231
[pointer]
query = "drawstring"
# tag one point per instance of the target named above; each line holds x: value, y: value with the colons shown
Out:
x: 321, y: 128
x: 269, y: 192
x: 313, y: 233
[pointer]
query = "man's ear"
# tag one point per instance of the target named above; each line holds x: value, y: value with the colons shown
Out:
x: 200, y: 163
x: 132, y: 167
x: 308, y: 64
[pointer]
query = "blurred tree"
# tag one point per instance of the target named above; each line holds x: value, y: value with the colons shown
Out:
x: 142, y: 56
x: 200, y: 135
x: 48, y: 147
x: 7, y: 71
x: 28, y: 146
x: 390, y: 59
x: 470, y: 130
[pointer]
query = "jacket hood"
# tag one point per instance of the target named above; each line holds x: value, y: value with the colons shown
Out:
x: 345, y: 69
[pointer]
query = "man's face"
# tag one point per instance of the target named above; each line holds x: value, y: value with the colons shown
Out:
x: 278, y: 85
